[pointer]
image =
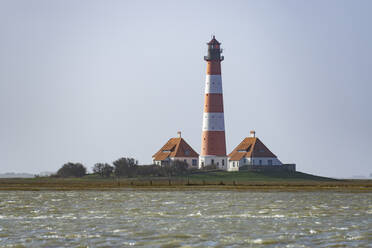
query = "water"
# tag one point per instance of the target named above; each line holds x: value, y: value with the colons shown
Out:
x: 185, y: 219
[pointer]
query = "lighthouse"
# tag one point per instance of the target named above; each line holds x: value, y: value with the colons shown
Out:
x: 213, y: 143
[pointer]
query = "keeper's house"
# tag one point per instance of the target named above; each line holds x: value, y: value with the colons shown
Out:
x: 252, y: 154
x: 176, y: 149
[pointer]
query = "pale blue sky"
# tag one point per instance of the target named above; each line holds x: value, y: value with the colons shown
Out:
x: 92, y: 81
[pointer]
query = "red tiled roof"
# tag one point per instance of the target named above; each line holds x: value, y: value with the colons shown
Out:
x: 175, y: 147
x: 237, y: 156
x: 250, y: 147
x: 161, y: 156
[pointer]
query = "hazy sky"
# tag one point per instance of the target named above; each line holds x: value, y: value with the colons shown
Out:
x: 93, y: 81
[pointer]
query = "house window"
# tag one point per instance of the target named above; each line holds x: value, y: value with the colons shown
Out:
x: 187, y: 152
x: 223, y: 162
x: 233, y: 164
x: 245, y: 160
x: 212, y: 161
x: 260, y: 161
x: 194, y: 161
x: 202, y: 164
x: 270, y: 162
x: 184, y: 160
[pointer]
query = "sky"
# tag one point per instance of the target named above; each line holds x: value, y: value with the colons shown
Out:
x: 93, y: 81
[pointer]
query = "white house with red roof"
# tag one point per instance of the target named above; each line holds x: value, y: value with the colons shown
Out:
x: 251, y: 151
x: 176, y: 149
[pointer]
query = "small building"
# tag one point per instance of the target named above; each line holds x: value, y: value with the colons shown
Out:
x: 252, y: 152
x: 176, y: 149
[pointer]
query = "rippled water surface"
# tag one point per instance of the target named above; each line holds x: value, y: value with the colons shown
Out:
x: 185, y: 219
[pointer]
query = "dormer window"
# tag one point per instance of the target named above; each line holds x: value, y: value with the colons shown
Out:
x: 245, y: 150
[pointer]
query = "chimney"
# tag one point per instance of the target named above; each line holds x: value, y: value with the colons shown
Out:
x: 253, y: 134
x: 179, y: 134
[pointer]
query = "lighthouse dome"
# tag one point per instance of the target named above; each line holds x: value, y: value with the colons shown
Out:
x: 213, y: 41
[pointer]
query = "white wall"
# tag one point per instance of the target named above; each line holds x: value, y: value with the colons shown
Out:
x: 233, y: 166
x: 255, y: 161
x: 188, y: 160
x: 213, y: 122
x: 221, y: 162
x: 265, y: 161
x: 213, y: 84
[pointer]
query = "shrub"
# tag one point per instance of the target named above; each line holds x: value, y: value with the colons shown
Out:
x: 125, y: 167
x: 103, y: 169
x: 150, y: 170
x: 210, y: 167
x: 72, y: 170
x: 175, y: 168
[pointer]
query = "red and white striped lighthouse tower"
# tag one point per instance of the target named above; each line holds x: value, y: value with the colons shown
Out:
x: 213, y: 148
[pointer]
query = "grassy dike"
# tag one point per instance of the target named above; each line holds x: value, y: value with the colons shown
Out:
x: 217, y: 180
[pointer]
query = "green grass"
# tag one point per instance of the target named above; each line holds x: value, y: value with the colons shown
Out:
x: 246, y: 176
x: 217, y: 180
